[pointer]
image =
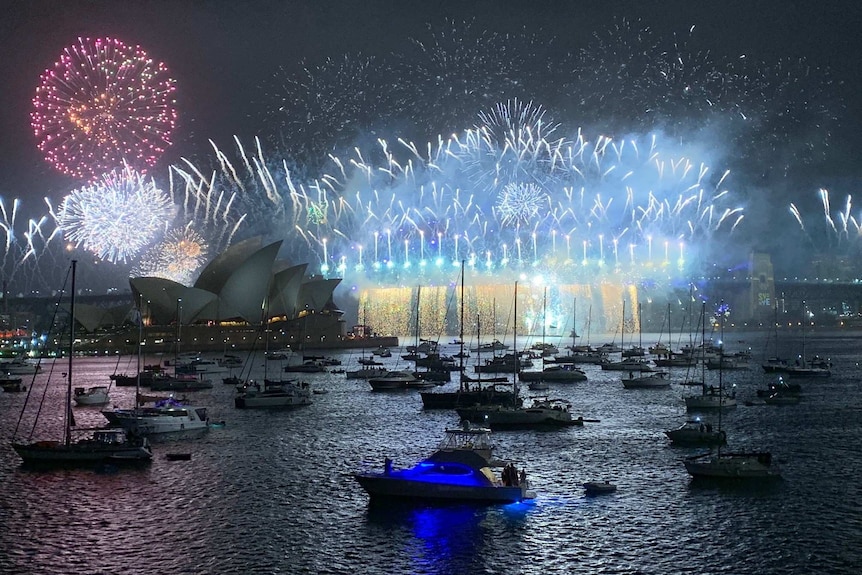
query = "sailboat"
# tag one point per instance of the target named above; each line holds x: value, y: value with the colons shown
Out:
x: 538, y: 380
x: 467, y: 394
x: 167, y: 417
x: 742, y: 465
x: 276, y: 393
x: 710, y: 398
x: 774, y: 364
x: 630, y: 364
x: 540, y: 413
x: 103, y: 445
x: 816, y: 366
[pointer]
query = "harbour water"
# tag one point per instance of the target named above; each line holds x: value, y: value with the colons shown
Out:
x: 273, y: 492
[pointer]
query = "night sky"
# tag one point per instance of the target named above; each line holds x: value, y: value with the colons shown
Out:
x: 221, y: 54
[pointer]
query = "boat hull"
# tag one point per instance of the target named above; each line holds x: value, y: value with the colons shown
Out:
x: 381, y: 487
x: 518, y: 418
x: 55, y: 453
x: 751, y: 466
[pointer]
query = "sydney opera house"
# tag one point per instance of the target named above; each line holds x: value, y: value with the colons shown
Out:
x: 242, y: 294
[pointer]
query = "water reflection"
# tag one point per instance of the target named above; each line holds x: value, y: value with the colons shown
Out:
x: 449, y: 539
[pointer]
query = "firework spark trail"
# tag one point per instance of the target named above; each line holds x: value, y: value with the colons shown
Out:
x: 824, y: 198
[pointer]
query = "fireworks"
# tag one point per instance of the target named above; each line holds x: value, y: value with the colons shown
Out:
x: 116, y: 217
x: 102, y: 104
x: 520, y: 203
x: 637, y: 207
x: 25, y: 264
x: 177, y: 257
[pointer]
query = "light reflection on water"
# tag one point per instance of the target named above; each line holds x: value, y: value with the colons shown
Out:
x: 273, y: 492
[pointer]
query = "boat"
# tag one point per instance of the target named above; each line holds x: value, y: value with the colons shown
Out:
x: 141, y: 378
x: 460, y: 470
x: 178, y: 456
x: 554, y: 373
x: 507, y: 363
x: 96, y: 395
x: 11, y: 384
x: 230, y: 361
x: 307, y: 366
x: 366, y: 372
x: 779, y: 387
x: 814, y: 367
x: 180, y: 382
x: 392, y: 380
x: 20, y: 366
x: 166, y: 418
x: 711, y: 397
x: 728, y: 361
x: 382, y: 352
x: 485, y: 391
x: 279, y: 354
x: 628, y: 364
x: 647, y: 380
x: 199, y: 366
x: 494, y: 346
x: 774, y: 364
x: 741, y: 465
x: 673, y: 359
x: 756, y: 465
x: 695, y: 432
x: 274, y: 395
x: 90, y: 446
x: 599, y: 487
x: 540, y: 413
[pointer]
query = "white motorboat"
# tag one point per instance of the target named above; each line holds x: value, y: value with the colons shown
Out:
x: 557, y: 373
x: 366, y: 372
x: 392, y: 380
x: 728, y: 361
x: 650, y: 380
x: 96, y: 395
x: 539, y: 413
x: 167, y: 418
x: 275, y: 394
x: 199, y: 366
x: 629, y: 364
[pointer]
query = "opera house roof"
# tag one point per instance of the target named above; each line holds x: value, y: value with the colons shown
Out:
x: 236, y: 285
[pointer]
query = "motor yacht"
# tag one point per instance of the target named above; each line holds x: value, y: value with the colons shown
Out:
x: 459, y: 470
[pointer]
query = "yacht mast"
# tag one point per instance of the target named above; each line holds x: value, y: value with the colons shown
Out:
x: 461, y: 336
x: 67, y: 439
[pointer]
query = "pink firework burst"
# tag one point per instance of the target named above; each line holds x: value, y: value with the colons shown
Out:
x: 103, y: 105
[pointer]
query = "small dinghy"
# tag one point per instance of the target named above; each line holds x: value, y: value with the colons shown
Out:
x: 178, y: 456
x: 599, y: 487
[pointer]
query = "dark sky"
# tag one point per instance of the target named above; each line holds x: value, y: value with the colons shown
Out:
x: 219, y: 52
